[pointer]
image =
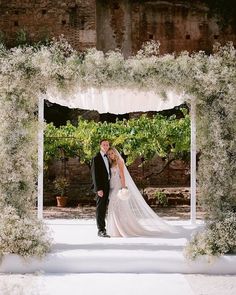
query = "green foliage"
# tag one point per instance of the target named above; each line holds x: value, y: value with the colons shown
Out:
x: 63, y: 138
x: 22, y: 37
x: 161, y: 199
x: 61, y: 184
x: 144, y: 137
x: 2, y: 37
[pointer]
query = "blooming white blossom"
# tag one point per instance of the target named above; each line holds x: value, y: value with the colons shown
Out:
x: 25, y: 235
x: 25, y: 72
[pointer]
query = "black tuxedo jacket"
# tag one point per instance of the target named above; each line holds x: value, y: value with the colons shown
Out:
x: 100, y: 175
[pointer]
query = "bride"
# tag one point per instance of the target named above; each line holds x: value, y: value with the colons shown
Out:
x: 128, y: 213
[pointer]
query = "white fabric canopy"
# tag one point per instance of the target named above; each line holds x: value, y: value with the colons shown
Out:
x: 116, y: 101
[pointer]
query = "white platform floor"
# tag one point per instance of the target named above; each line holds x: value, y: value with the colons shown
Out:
x: 116, y: 284
x: 77, y: 249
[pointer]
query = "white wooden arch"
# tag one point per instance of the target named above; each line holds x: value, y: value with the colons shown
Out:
x: 116, y: 101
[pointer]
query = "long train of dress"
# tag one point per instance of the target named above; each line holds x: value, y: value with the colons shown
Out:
x: 131, y: 217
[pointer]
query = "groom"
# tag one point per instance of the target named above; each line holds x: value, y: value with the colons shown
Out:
x: 101, y: 176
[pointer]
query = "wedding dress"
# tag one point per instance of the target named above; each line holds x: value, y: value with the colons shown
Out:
x: 131, y: 217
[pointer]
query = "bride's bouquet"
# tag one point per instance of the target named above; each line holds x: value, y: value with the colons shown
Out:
x: 123, y: 194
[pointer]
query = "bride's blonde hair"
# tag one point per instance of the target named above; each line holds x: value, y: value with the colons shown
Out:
x: 115, y: 161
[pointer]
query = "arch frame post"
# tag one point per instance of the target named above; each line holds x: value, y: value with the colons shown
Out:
x: 193, y: 182
x: 40, y: 157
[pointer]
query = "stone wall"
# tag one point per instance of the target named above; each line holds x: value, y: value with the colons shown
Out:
x: 178, y: 25
x: 42, y: 19
x: 177, y: 174
x: 109, y: 24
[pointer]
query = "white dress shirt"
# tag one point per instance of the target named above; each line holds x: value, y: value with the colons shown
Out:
x: 105, y: 159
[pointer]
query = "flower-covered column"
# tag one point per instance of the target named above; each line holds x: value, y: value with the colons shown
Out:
x: 20, y: 231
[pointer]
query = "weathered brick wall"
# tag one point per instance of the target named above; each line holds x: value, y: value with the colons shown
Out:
x: 178, y: 25
x: 47, y: 18
x: 108, y: 24
x: 78, y: 176
x: 177, y: 174
x: 114, y: 25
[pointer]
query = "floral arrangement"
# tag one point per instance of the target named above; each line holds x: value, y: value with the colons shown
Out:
x: 123, y: 194
x: 25, y: 236
x: 207, y: 80
x: 219, y: 237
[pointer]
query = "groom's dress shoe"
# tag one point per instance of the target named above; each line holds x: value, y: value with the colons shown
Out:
x: 103, y: 234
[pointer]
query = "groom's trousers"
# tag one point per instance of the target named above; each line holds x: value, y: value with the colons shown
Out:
x: 101, y: 209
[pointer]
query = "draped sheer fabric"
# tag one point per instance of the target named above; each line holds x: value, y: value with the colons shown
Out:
x: 132, y: 217
x: 115, y: 100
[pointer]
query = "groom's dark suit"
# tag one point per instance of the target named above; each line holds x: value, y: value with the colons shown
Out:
x: 100, y: 177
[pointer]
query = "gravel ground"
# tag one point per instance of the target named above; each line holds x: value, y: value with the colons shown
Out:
x: 88, y: 212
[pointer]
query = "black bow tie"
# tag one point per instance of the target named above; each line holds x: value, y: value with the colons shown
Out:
x: 105, y: 155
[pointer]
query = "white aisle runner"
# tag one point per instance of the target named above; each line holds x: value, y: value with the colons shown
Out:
x: 78, y: 249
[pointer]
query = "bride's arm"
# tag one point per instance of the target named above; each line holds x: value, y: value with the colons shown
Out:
x: 122, y: 175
